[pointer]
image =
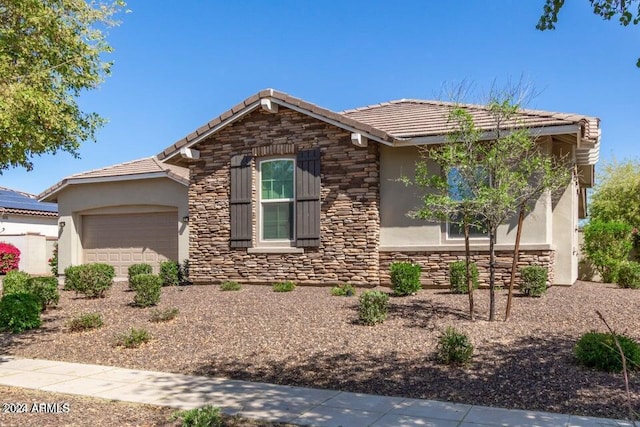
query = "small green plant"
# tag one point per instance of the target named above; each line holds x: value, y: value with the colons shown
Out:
x: 91, y: 280
x: 598, y: 350
x: 183, y: 274
x: 230, y: 285
x: 373, y: 307
x: 458, y: 276
x: 343, y: 290
x: 207, y: 416
x: 20, y: 312
x: 629, y: 275
x: 53, y: 261
x: 454, y: 348
x: 405, y: 278
x: 169, y: 273
x: 164, y: 315
x: 136, y: 269
x: 287, y: 286
x: 606, y: 245
x: 132, y: 338
x: 147, y: 288
x: 15, y: 282
x: 46, y: 289
x: 85, y: 322
x: 533, y: 280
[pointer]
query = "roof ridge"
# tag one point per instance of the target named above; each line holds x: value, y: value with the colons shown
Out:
x: 75, y: 175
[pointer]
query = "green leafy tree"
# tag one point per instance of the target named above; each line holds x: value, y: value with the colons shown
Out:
x: 50, y: 51
x: 626, y: 12
x: 617, y: 194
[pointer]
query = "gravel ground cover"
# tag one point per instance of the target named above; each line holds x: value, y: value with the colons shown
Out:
x: 309, y: 338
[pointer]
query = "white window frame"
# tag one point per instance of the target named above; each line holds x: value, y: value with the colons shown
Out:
x: 472, y: 235
x: 275, y: 242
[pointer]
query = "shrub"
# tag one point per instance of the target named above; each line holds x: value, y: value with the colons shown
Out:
x: 373, y: 307
x: 628, y: 275
x: 230, y: 285
x: 454, y: 347
x: 46, y: 289
x: 84, y: 322
x: 343, y: 290
x: 9, y: 257
x: 136, y: 269
x: 287, y: 286
x: 533, y: 280
x: 132, y: 338
x: 458, y: 276
x: 164, y: 315
x: 147, y: 288
x: 598, y: 350
x: 91, y: 280
x: 169, y: 273
x: 15, y: 282
x: 607, y: 244
x: 208, y: 416
x: 183, y: 274
x: 405, y: 278
x: 19, y: 312
x: 53, y: 261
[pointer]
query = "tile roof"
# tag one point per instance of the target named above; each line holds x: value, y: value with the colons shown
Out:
x: 134, y: 169
x: 408, y: 118
x: 21, y: 203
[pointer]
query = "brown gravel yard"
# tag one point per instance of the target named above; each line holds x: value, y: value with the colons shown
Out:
x: 309, y: 338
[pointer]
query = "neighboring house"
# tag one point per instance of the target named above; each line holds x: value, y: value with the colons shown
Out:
x: 282, y: 189
x: 123, y: 214
x: 29, y: 225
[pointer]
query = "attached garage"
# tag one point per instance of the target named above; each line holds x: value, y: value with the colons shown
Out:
x: 123, y: 214
x: 123, y: 240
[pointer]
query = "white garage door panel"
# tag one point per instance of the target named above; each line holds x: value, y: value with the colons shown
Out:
x: 122, y: 240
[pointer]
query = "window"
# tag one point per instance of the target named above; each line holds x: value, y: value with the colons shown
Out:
x: 277, y: 199
x: 459, y: 190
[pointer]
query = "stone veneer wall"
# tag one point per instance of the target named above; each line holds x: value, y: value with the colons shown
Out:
x: 435, y: 265
x: 349, y: 223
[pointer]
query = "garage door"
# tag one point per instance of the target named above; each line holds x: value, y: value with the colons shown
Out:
x: 122, y: 240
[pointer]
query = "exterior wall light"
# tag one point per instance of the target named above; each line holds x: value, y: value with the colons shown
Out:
x: 185, y: 219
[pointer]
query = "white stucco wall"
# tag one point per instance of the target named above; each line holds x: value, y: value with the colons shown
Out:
x: 21, y: 224
x: 145, y: 195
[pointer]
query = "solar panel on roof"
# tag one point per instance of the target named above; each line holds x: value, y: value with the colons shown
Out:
x: 14, y: 200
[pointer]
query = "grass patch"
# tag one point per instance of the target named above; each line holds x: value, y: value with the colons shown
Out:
x: 287, y: 286
x: 164, y: 315
x: 133, y: 338
x: 230, y: 285
x: 85, y: 322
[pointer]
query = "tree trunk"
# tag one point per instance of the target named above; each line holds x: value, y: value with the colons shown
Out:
x: 467, y: 252
x: 492, y: 274
x: 514, y: 266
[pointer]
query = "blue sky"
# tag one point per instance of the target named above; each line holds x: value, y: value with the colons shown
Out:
x: 179, y: 64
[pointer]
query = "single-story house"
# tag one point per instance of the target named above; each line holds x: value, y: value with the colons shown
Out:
x: 123, y: 214
x: 277, y: 188
x: 29, y: 225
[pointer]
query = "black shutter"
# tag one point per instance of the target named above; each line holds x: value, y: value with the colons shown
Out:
x: 308, y: 198
x: 240, y: 208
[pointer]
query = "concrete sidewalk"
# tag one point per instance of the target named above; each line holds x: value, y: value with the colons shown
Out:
x: 303, y: 406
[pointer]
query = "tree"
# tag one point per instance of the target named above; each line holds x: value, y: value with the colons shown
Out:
x: 50, y: 52
x: 623, y: 10
x: 617, y: 194
x: 494, y: 179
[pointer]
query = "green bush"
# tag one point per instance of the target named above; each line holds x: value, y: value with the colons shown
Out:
x: 373, y: 307
x: 132, y: 338
x: 598, y: 350
x: 454, y: 347
x: 20, y: 312
x: 46, y: 289
x: 207, y: 416
x: 84, y: 322
x: 230, y: 285
x: 136, y: 269
x: 91, y: 280
x: 164, y: 315
x: 15, y: 282
x: 533, y: 280
x: 343, y: 290
x: 405, y: 278
x: 169, y: 273
x: 606, y: 245
x: 458, y: 276
x: 287, y: 286
x: 183, y: 274
x: 629, y: 275
x: 147, y: 288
